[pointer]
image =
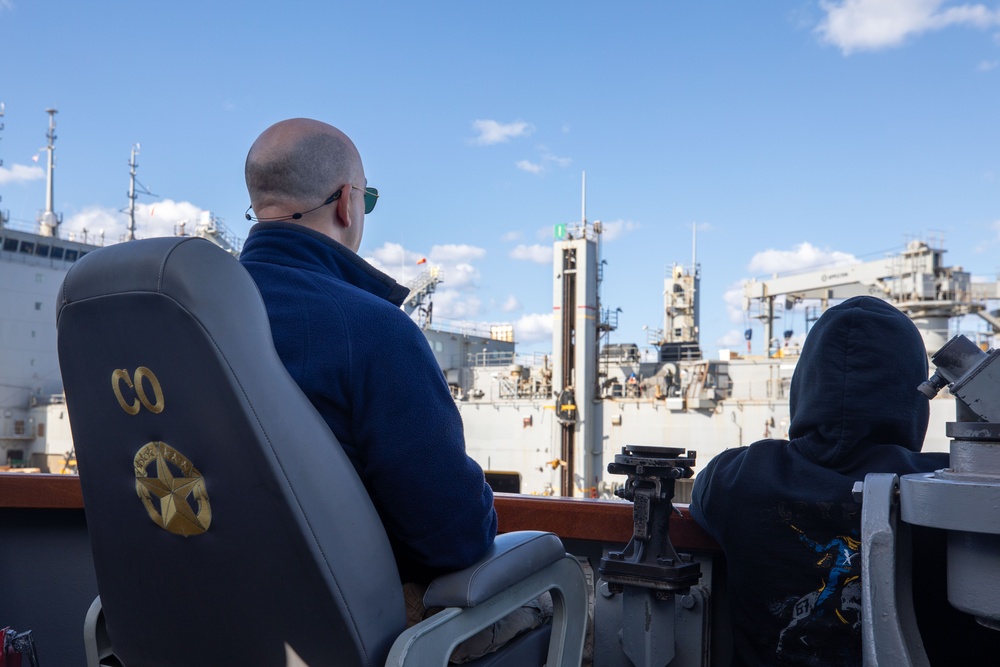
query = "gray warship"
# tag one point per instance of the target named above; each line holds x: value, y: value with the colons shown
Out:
x: 34, y: 258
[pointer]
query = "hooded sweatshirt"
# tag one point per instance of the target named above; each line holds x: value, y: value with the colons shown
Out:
x: 783, y: 511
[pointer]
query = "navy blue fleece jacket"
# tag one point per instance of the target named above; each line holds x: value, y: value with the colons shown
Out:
x: 368, y: 369
x: 782, y: 510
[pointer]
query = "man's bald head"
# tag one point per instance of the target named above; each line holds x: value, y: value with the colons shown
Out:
x: 295, y: 164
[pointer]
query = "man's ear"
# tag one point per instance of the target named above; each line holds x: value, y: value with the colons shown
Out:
x: 344, y: 207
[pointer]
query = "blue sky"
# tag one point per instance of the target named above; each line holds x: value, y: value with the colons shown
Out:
x: 789, y: 132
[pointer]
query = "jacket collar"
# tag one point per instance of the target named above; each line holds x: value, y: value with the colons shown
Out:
x: 310, y: 249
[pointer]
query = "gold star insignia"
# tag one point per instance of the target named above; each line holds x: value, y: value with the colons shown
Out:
x: 175, y: 512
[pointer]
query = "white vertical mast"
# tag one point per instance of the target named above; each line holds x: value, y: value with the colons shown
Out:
x: 49, y: 221
x: 132, y: 165
x: 694, y: 245
x: 4, y: 216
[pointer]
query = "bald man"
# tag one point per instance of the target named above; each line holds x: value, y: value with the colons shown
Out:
x: 338, y: 328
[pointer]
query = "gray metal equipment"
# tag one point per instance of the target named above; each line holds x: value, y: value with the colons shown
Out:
x: 653, y: 589
x: 962, y: 499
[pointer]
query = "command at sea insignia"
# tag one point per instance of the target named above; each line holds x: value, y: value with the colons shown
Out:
x: 173, y: 511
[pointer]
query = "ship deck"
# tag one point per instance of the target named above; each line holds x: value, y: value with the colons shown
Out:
x: 49, y: 583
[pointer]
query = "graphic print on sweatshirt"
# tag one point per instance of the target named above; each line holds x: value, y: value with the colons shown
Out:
x: 825, y: 623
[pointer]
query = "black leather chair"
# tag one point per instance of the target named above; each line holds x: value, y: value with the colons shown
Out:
x: 226, y: 522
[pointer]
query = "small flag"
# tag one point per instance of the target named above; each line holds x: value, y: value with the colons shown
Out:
x: 34, y: 158
x: 422, y: 260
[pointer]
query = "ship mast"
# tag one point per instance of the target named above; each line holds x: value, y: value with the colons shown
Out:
x: 4, y: 216
x: 49, y: 222
x: 132, y: 164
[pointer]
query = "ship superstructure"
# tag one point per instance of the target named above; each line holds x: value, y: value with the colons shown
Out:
x: 556, y: 420
x: 34, y: 259
x: 34, y: 428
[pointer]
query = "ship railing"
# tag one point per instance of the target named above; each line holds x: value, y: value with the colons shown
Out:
x: 492, y: 331
x: 507, y: 358
x: 532, y: 359
x: 52, y: 399
x: 21, y: 226
x: 496, y: 358
x: 215, y: 230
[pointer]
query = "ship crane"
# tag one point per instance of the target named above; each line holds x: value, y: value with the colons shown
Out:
x: 915, y: 281
x: 421, y: 288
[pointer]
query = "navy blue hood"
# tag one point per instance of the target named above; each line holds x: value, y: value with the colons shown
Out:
x: 855, y: 385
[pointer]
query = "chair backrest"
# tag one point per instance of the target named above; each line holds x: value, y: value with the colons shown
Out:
x: 225, y: 519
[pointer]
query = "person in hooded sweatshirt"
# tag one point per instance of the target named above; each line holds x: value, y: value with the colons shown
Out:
x: 783, y: 511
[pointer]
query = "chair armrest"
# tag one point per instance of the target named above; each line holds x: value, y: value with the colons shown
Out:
x: 512, y: 558
x: 430, y: 642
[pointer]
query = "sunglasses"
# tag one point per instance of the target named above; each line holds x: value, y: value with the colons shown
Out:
x: 371, y: 198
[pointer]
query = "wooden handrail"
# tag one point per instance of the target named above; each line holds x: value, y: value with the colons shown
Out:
x: 597, y: 520
x: 40, y: 491
x: 569, y: 518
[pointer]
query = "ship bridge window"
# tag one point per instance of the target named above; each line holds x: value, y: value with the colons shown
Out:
x: 27, y: 247
x: 71, y: 255
x: 19, y: 427
x: 10, y: 245
x: 57, y: 252
x: 42, y: 250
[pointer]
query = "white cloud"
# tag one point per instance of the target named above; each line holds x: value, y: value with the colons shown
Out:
x: 513, y: 235
x: 547, y: 233
x: 533, y: 328
x: 455, y: 253
x: 733, y: 298
x: 804, y: 256
x: 454, y: 262
x: 870, y: 25
x: 491, y: 132
x: 540, y: 254
x: 550, y: 158
x: 455, y: 296
x: 800, y: 257
x: 454, y: 305
x: 546, y: 160
x: 462, y: 276
x: 391, y: 254
x: 616, y: 228
x: 511, y: 304
x: 397, y: 262
x: 987, y: 65
x: 160, y: 218
x: 732, y: 339
x: 530, y: 167
x: 20, y: 173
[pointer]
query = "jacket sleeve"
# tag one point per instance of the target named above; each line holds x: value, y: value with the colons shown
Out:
x: 433, y: 498
x: 708, y: 496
